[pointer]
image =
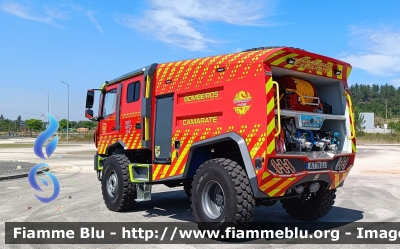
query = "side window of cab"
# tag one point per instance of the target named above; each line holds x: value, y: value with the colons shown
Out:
x: 133, y: 92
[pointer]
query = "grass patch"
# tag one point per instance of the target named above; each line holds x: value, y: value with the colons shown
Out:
x: 376, y: 138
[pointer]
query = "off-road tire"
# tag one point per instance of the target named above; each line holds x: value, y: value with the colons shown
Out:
x: 187, y: 187
x: 125, y: 195
x: 239, y: 201
x: 316, y: 207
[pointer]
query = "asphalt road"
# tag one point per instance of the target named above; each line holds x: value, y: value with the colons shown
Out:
x: 370, y: 193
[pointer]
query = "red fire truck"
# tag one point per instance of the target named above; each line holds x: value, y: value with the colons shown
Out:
x: 237, y: 130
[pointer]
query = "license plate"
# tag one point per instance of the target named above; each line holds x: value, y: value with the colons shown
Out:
x: 317, y: 165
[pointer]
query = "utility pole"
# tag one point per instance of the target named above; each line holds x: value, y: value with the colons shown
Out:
x: 48, y: 105
x: 68, y: 111
x: 386, y: 108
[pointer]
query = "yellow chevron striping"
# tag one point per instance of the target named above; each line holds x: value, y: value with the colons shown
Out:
x: 353, y: 146
x: 282, y: 59
x: 271, y: 147
x: 329, y: 74
x: 265, y: 175
x: 270, y: 105
x: 340, y: 68
x: 270, y: 183
x: 185, y: 151
x: 275, y: 54
x: 158, y: 167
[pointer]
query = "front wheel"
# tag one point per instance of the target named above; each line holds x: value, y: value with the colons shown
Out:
x: 118, y: 192
x: 221, y: 195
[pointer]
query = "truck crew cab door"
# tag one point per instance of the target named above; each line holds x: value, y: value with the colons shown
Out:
x: 120, y: 114
x: 108, y: 114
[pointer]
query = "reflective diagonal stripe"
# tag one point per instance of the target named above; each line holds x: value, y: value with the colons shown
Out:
x: 156, y: 169
x: 270, y: 117
x: 283, y: 59
x: 340, y: 68
x: 270, y: 183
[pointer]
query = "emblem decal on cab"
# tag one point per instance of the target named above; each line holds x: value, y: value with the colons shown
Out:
x: 241, y: 102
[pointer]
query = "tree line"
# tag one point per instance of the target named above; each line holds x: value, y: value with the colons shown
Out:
x: 373, y: 98
x: 34, y: 125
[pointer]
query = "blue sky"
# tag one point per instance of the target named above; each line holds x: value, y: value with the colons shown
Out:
x: 85, y: 43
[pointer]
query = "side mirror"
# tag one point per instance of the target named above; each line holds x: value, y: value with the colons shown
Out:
x: 89, y: 99
x: 89, y: 114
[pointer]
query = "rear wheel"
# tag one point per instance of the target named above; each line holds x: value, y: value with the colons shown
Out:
x: 118, y: 192
x: 311, y: 207
x: 221, y: 195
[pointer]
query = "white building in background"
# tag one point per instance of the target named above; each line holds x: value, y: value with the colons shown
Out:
x: 369, y: 118
x: 369, y: 126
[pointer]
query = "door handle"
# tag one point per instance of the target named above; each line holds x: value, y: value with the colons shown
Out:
x: 138, y: 126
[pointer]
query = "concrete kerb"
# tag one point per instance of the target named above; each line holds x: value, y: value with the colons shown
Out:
x: 3, y: 178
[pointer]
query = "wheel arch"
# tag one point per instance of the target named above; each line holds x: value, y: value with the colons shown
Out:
x: 199, y: 153
x: 116, y: 148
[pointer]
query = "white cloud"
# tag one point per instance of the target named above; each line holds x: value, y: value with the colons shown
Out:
x: 50, y: 13
x: 174, y: 22
x: 395, y: 82
x: 92, y: 19
x: 23, y: 12
x: 56, y: 13
x: 380, y: 51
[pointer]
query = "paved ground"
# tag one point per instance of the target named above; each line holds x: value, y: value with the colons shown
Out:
x: 14, y: 169
x: 370, y: 193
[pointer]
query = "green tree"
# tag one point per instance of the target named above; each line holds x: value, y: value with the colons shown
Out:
x: 34, y: 124
x: 63, y: 124
x: 394, y: 126
x: 89, y: 124
x: 18, y: 122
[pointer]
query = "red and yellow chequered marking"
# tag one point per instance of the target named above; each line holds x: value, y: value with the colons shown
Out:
x: 275, y: 186
x: 191, y: 74
x: 199, y: 72
x: 132, y: 141
x: 103, y: 143
x: 255, y: 140
x: 325, y: 68
x: 338, y: 178
x: 269, y: 90
x: 135, y: 142
x: 130, y: 115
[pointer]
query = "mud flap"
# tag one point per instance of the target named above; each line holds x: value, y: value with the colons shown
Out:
x: 99, y: 175
x: 98, y: 165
